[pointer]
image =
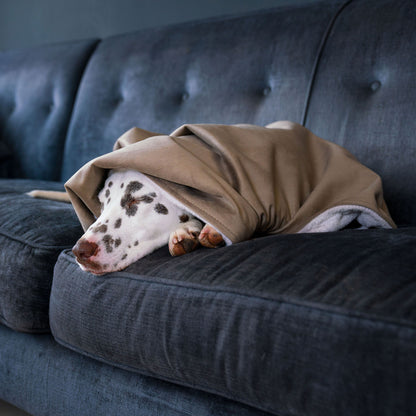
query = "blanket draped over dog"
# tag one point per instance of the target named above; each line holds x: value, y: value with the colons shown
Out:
x: 244, y: 180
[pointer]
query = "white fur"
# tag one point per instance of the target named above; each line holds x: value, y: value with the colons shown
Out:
x: 121, y: 243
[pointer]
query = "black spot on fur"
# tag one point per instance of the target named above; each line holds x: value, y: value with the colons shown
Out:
x: 117, y: 224
x: 136, y: 243
x: 108, y: 200
x: 110, y: 184
x: 122, y: 185
x: 108, y: 243
x: 107, y: 193
x: 161, y: 209
x: 100, y: 229
x: 188, y: 245
x: 134, y: 186
x: 184, y: 218
x: 124, y: 256
x: 117, y: 242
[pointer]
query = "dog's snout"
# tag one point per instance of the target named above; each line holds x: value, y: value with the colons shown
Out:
x: 84, y: 249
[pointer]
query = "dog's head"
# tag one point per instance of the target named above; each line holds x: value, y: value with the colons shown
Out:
x: 135, y: 220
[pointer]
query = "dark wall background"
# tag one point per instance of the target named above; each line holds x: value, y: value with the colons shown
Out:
x: 26, y: 23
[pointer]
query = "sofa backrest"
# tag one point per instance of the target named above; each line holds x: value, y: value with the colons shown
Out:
x: 37, y: 93
x: 346, y: 69
x: 250, y: 69
x: 364, y: 94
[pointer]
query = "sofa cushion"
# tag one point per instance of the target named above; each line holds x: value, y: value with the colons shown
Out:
x: 250, y: 69
x: 43, y: 378
x: 32, y: 234
x: 291, y: 324
x: 363, y: 95
x: 37, y: 93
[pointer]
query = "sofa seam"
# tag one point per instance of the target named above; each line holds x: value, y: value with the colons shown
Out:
x: 30, y: 243
x: 330, y: 309
x: 318, y: 57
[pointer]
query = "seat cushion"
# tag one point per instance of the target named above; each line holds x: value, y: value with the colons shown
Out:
x: 43, y: 378
x: 32, y: 234
x: 292, y: 324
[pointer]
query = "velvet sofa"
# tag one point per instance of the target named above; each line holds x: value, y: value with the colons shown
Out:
x: 301, y: 324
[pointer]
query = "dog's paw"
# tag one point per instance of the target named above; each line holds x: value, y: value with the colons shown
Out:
x: 210, y: 237
x: 185, y: 239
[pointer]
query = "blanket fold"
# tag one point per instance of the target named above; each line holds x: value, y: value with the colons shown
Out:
x: 245, y: 180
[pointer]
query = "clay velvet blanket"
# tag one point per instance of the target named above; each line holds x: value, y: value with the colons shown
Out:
x: 245, y: 180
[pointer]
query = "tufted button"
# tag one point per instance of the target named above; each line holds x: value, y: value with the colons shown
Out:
x: 266, y: 91
x: 185, y: 96
x: 375, y: 85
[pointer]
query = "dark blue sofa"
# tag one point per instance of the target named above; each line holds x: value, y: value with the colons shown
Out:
x: 313, y: 324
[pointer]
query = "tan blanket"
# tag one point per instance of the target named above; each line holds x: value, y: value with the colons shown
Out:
x: 244, y: 180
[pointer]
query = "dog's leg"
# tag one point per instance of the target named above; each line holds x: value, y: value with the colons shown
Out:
x: 185, y: 238
x: 52, y: 195
x: 210, y: 237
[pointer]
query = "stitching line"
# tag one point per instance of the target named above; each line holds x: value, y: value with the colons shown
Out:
x: 318, y: 59
x: 31, y: 244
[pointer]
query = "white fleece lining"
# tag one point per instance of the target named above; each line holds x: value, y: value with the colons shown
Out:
x: 336, y: 218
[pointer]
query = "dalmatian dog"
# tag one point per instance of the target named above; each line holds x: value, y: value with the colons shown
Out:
x: 137, y: 217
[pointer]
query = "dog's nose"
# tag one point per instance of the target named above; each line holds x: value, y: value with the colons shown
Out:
x: 84, y: 249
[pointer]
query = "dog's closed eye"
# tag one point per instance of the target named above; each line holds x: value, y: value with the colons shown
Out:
x: 129, y: 202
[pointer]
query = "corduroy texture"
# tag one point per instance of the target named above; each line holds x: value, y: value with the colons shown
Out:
x: 32, y: 234
x: 311, y: 324
x: 244, y: 180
